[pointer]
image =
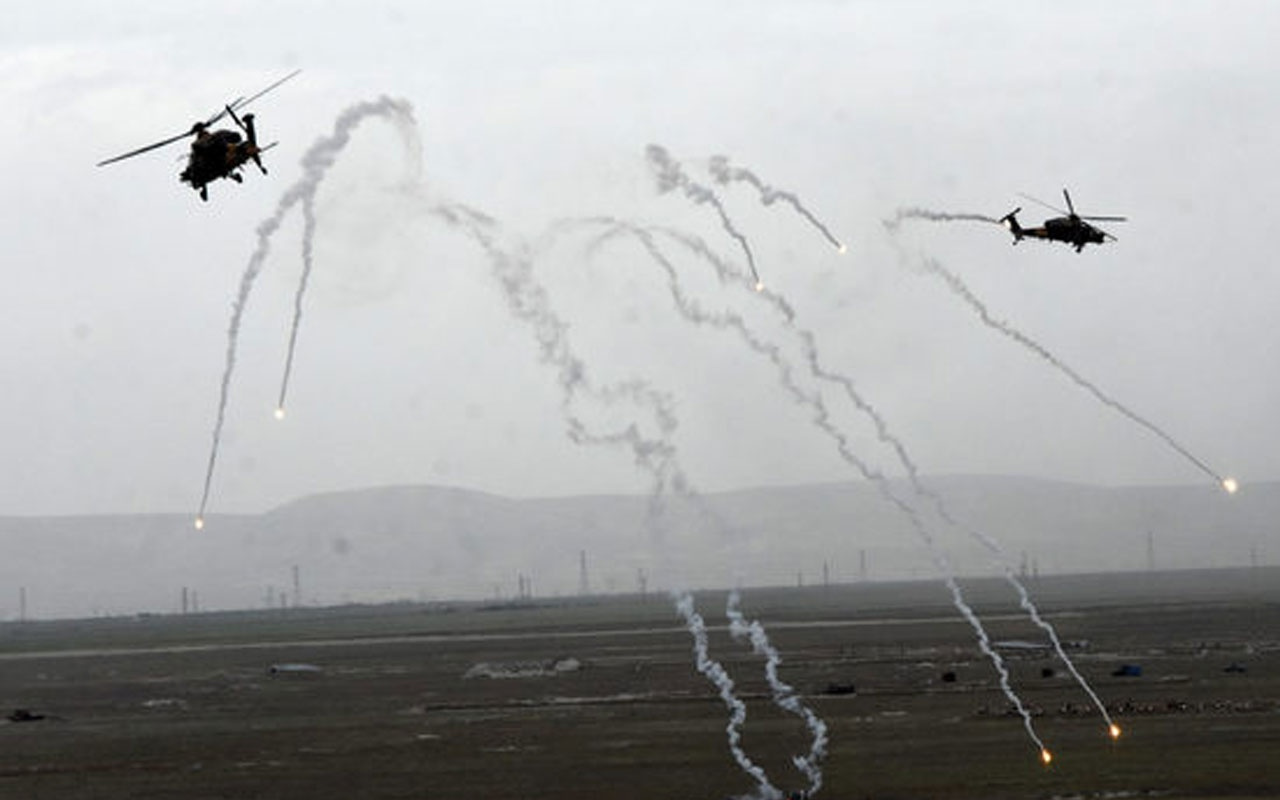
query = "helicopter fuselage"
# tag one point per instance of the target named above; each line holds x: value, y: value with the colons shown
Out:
x: 1072, y: 230
x: 219, y: 154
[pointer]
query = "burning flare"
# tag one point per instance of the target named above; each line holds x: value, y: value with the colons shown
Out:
x: 760, y: 288
x: 1114, y: 730
x: 842, y: 249
x: 199, y: 523
x: 1046, y: 757
x: 1230, y: 485
x: 280, y: 412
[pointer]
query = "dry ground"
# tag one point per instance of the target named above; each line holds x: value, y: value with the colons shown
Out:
x: 168, y: 707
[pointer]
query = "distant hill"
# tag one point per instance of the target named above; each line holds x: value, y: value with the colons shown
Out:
x: 430, y: 542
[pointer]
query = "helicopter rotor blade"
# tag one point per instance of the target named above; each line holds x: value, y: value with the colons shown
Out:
x: 1041, y: 202
x: 1106, y: 219
x: 146, y: 149
x: 230, y: 108
x: 242, y: 102
x: 1070, y: 207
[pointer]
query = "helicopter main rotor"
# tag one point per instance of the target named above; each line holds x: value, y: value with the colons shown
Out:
x: 230, y: 108
x: 1072, y: 209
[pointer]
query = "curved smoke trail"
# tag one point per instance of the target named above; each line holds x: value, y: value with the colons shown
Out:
x: 315, y: 164
x: 933, y: 216
x: 408, y: 130
x: 808, y: 341
x: 724, y: 174
x: 308, y: 236
x: 958, y: 288
x: 671, y: 176
x: 784, y: 695
x: 529, y: 302
x: 714, y: 671
x: 692, y: 312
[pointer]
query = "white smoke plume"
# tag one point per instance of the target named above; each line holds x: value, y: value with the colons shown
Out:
x: 784, y: 696
x: 724, y: 173
x: 933, y: 216
x: 657, y: 456
x: 733, y: 321
x: 315, y: 164
x: 717, y: 675
x: 959, y: 289
x: 728, y: 275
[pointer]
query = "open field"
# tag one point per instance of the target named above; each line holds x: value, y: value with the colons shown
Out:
x: 599, y: 698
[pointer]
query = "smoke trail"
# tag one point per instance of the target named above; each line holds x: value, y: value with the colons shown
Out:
x: 529, y: 302
x: 822, y: 420
x: 724, y: 174
x: 933, y: 216
x: 670, y: 176
x: 728, y: 275
x: 784, y: 696
x: 990, y: 544
x: 716, y: 674
x: 315, y: 164
x: 408, y: 130
x: 962, y: 291
x: 308, y: 235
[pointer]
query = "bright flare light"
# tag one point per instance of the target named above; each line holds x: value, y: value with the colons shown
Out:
x: 199, y: 523
x: 1046, y: 757
x: 1114, y: 731
x: 280, y: 413
x: 759, y: 286
x: 842, y: 249
x: 1230, y: 485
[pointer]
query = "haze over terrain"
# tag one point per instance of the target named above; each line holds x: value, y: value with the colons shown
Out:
x: 437, y: 543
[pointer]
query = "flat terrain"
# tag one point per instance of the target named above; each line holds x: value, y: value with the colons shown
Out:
x: 600, y: 698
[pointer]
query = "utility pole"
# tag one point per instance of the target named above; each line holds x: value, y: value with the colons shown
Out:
x: 584, y: 586
x: 297, y: 588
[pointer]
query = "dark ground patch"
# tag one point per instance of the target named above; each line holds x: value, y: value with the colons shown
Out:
x: 604, y: 701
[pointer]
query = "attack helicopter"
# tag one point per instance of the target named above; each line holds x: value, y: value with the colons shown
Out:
x: 217, y: 153
x: 1071, y: 228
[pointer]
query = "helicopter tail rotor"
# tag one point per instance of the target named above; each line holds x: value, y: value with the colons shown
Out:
x: 252, y: 135
x: 1010, y: 221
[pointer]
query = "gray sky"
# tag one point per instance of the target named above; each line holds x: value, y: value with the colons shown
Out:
x: 410, y: 370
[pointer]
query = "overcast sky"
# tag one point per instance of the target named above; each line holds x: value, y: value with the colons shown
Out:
x: 119, y: 281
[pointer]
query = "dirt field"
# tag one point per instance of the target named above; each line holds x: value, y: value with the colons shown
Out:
x: 600, y: 699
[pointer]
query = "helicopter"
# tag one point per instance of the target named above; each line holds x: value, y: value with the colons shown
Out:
x: 216, y: 153
x: 1071, y: 228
